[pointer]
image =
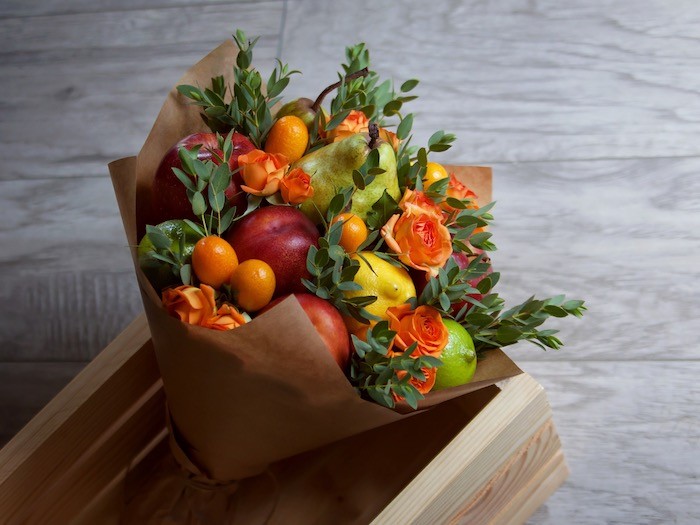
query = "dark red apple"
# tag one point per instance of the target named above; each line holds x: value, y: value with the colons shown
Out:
x: 328, y: 323
x: 168, y: 195
x: 280, y: 236
x: 462, y: 261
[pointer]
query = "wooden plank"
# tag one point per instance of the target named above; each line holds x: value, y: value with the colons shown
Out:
x: 20, y: 8
x: 95, y: 82
x: 621, y: 234
x: 66, y: 262
x: 26, y: 387
x: 518, y: 81
x: 473, y: 457
x: 539, y: 489
x: 79, y: 418
x: 528, y: 466
x: 630, y: 433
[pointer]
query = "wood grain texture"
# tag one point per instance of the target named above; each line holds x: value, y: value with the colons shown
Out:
x: 26, y: 387
x: 623, y: 234
x: 589, y: 114
x: 66, y: 261
x: 22, y: 9
x: 79, y: 78
x: 630, y: 433
x: 544, y: 80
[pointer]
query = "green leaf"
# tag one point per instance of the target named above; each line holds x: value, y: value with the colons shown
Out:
x: 422, y: 157
x: 186, y: 274
x: 507, y: 334
x: 199, y: 206
x: 381, y: 211
x: 409, y: 85
x: 358, y: 180
x: 405, y: 126
x: 336, y: 120
x: 158, y: 238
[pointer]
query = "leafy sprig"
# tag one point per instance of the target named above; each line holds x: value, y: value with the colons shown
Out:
x: 331, y: 267
x: 452, y: 285
x: 171, y: 252
x: 491, y: 327
x: 205, y: 183
x: 376, y: 374
x: 249, y: 111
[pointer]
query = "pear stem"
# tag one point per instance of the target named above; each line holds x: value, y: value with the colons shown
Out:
x: 373, y: 134
x: 317, y: 103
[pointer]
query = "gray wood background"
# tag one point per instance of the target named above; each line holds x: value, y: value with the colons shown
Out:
x: 589, y: 113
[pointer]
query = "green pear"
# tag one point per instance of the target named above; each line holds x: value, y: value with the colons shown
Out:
x: 302, y: 108
x: 331, y: 167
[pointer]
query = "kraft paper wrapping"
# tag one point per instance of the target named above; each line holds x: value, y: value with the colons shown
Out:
x: 242, y: 399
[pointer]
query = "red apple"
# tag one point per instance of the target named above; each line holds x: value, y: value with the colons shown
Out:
x: 328, y: 323
x: 280, y: 236
x: 168, y: 195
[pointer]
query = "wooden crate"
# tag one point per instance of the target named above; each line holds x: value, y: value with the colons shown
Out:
x: 490, y: 457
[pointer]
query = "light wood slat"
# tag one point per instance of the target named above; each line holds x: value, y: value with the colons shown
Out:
x: 630, y: 433
x: 523, y: 81
x: 523, y: 467
x: 94, y: 83
x: 124, y: 380
x: 26, y: 387
x: 137, y: 28
x: 21, y: 8
x: 67, y: 270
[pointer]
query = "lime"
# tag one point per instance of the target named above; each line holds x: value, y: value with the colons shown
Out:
x: 159, y: 273
x: 458, y: 357
x: 390, y: 284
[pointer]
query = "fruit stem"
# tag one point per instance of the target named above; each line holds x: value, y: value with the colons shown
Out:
x: 373, y: 134
x: 319, y: 100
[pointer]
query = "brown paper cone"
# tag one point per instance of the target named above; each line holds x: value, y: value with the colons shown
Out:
x: 268, y: 390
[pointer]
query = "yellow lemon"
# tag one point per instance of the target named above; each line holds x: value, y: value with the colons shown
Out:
x: 433, y: 173
x: 390, y: 284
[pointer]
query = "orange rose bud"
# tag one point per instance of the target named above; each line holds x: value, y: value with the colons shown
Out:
x: 416, y: 202
x: 355, y: 122
x: 226, y: 318
x: 390, y: 137
x: 423, y: 326
x: 296, y: 186
x: 262, y: 172
x: 420, y: 239
x: 190, y: 304
x: 459, y: 191
x: 197, y: 306
x: 422, y: 386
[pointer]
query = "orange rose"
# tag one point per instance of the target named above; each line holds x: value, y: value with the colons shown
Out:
x: 416, y: 202
x: 296, y: 187
x: 390, y: 137
x: 459, y: 191
x: 226, y: 318
x: 262, y: 172
x: 355, y: 122
x: 190, y: 304
x: 422, y: 386
x: 421, y: 240
x: 423, y: 326
x: 197, y: 306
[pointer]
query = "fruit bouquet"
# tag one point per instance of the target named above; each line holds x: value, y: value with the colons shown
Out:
x: 307, y: 272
